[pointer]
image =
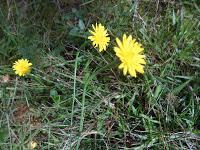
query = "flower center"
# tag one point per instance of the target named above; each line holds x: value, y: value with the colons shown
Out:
x: 100, y: 38
x: 23, y: 68
x: 129, y: 57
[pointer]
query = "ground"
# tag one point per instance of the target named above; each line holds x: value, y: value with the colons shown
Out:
x: 76, y: 97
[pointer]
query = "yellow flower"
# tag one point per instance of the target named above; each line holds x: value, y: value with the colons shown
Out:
x: 99, y: 37
x: 128, y: 51
x: 32, y: 145
x: 22, y: 67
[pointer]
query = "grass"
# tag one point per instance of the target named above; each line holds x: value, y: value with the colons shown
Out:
x: 76, y: 98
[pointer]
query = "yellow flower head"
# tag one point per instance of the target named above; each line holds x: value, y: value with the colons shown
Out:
x: 32, y: 145
x: 22, y: 67
x: 128, y: 51
x: 99, y: 37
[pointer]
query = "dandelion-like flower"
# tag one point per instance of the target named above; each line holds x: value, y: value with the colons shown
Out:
x: 129, y: 53
x: 99, y: 37
x: 22, y: 67
x: 32, y: 145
